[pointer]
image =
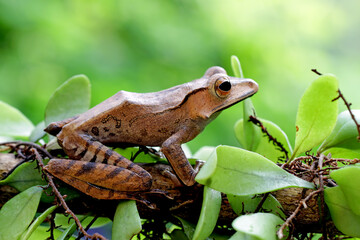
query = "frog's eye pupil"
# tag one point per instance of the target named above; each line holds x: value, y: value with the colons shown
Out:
x: 225, y: 86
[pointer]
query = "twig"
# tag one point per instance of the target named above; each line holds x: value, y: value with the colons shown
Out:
x: 316, y: 71
x: 348, y: 107
x: 322, y: 200
x: 34, y: 145
x: 87, y: 227
x: 258, y: 123
x: 302, y: 203
x: 259, y: 206
x: 52, y: 226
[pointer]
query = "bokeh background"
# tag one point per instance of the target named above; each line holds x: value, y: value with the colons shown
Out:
x: 145, y: 46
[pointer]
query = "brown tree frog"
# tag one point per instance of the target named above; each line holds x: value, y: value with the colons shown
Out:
x: 166, y: 119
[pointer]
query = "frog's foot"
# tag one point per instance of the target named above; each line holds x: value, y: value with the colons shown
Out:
x: 198, y: 165
x: 164, y: 193
x: 168, y: 174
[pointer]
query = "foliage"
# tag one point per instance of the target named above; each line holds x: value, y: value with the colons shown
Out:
x: 149, y: 46
x: 247, y: 175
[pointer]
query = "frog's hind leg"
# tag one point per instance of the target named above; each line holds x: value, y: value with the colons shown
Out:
x: 84, y: 148
x: 85, y: 177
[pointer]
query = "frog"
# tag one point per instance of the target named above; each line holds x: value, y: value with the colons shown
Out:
x: 165, y: 119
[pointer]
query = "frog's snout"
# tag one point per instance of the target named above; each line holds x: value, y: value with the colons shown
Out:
x: 253, y: 85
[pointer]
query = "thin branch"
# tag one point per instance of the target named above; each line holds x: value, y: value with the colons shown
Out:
x: 322, y: 200
x: 302, y: 203
x: 259, y: 206
x: 316, y: 71
x: 258, y: 123
x: 87, y: 227
x: 347, y: 104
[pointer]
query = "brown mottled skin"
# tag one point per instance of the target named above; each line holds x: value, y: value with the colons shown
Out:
x: 167, y: 119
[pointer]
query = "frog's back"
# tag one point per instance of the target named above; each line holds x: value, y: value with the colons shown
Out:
x: 125, y: 105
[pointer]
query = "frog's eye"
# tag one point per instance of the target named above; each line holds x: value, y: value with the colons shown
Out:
x: 222, y: 87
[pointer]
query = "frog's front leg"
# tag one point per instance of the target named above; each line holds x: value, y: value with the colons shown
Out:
x: 99, y: 168
x: 176, y: 156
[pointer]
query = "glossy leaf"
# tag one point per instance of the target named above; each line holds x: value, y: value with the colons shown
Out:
x: 262, y: 226
x: 264, y: 147
x: 341, y: 214
x: 342, y: 153
x: 248, y: 204
x: 18, y: 212
x: 70, y: 99
x: 252, y: 134
x: 13, y: 123
x: 37, y: 222
x: 127, y: 221
x: 177, y: 234
x: 27, y: 175
x: 242, y: 236
x: 209, y: 214
x: 240, y: 172
x: 41, y: 232
x: 38, y: 132
x: 24, y: 176
x: 236, y: 67
x: 188, y: 227
x: 317, y: 113
x: 142, y: 157
x: 204, y: 153
x: 344, y: 134
x: 348, y: 178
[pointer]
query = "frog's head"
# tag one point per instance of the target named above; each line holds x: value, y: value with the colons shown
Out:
x: 226, y: 91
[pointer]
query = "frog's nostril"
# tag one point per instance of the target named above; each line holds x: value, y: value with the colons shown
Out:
x: 253, y: 85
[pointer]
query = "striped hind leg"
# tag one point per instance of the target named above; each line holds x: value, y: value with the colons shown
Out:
x: 100, y: 165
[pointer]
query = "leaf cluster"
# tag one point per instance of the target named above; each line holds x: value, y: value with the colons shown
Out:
x: 247, y: 175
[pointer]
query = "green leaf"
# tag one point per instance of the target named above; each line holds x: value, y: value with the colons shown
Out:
x: 37, y: 223
x: 236, y: 67
x: 177, y: 234
x: 209, y: 214
x: 18, y: 212
x: 13, y: 123
x: 42, y: 232
x: 69, y: 231
x: 24, y: 176
x: 262, y: 226
x: 343, y: 217
x: 70, y: 99
x: 204, y: 153
x: 141, y: 157
x: 344, y: 134
x: 342, y: 153
x: 38, y: 132
x: 188, y: 227
x: 240, y: 172
x: 264, y: 147
x: 252, y: 133
x: 27, y: 175
x: 249, y: 203
x: 242, y: 236
x: 348, y: 178
x: 127, y: 221
x: 316, y: 116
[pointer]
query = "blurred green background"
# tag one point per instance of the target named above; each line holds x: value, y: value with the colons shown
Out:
x: 145, y: 46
